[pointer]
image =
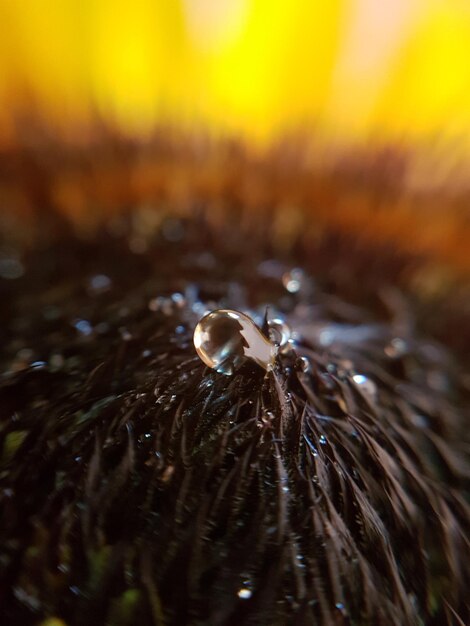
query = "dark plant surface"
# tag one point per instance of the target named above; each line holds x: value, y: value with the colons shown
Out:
x: 139, y: 487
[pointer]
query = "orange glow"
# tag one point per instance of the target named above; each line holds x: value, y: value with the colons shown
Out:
x: 351, y: 69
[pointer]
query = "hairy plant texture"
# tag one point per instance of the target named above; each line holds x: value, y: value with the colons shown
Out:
x: 140, y: 487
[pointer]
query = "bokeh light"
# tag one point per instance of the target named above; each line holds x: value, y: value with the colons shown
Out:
x: 346, y: 70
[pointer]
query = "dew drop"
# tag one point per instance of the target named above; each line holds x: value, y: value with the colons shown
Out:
x: 396, y: 348
x: 39, y: 364
x: 84, y: 327
x: 359, y: 379
x: 267, y: 418
x: 279, y: 331
x: 225, y: 339
x: 366, y: 385
x: 162, y: 304
x: 304, y: 364
x: 293, y: 280
x: 178, y: 299
x: 125, y: 334
x: 244, y: 594
x: 99, y: 284
x: 420, y: 421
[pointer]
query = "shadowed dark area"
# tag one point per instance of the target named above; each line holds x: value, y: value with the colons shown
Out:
x: 140, y: 487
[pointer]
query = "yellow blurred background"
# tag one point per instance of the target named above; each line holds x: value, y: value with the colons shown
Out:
x: 346, y: 70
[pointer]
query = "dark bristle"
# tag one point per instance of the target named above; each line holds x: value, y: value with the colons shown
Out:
x: 140, y: 487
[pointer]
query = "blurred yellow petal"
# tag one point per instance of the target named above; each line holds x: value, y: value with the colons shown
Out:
x: 429, y: 89
x: 347, y: 68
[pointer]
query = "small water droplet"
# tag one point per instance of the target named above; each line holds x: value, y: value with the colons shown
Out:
x: 267, y: 418
x: 366, y: 385
x: 244, y: 594
x: 304, y: 364
x: 162, y: 304
x: 311, y: 446
x: 178, y: 299
x: 421, y: 421
x: 84, y: 327
x: 279, y: 331
x: 225, y: 339
x: 323, y: 440
x: 326, y: 337
x: 99, y: 284
x: 39, y: 364
x: 396, y: 348
x: 125, y: 334
x: 359, y: 379
x: 293, y: 280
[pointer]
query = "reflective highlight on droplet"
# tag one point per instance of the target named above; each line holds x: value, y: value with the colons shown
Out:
x: 366, y: 385
x: 225, y: 339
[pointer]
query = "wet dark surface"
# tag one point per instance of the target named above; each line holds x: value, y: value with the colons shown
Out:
x: 139, y: 486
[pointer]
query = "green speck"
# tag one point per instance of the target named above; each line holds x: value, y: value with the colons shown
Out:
x: 12, y: 442
x: 123, y: 610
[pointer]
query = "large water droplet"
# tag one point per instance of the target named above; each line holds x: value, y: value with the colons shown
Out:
x: 225, y: 339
